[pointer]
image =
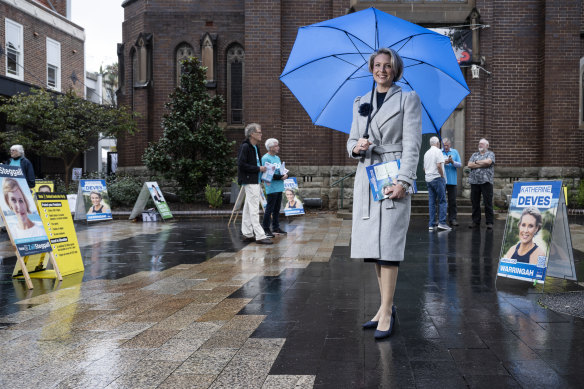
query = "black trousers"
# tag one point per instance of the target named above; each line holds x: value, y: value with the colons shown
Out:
x: 486, y: 190
x: 451, y: 195
x: 272, y: 212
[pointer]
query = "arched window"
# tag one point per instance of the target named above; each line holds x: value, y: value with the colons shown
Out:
x: 183, y: 51
x: 141, y: 62
x: 207, y: 56
x: 235, y: 58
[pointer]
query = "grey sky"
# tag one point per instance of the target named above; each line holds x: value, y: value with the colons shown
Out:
x: 102, y: 21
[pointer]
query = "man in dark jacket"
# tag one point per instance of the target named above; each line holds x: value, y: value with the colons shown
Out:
x: 17, y: 159
x: 248, y: 174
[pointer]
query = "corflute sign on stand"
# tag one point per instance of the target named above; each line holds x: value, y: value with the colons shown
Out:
x: 529, y: 229
x: 92, y: 201
x: 151, y: 190
x: 22, y: 218
x: 56, y: 217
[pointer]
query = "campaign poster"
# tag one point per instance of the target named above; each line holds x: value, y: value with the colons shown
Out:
x: 292, y: 201
x: 22, y: 219
x: 96, y: 200
x: 528, y: 232
x: 56, y: 218
x: 159, y: 200
x: 43, y: 186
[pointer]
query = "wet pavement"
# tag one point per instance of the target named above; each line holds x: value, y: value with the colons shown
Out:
x: 186, y: 304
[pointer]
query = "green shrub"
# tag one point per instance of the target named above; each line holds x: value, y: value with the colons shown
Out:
x: 214, y: 196
x: 579, y: 200
x: 123, y: 190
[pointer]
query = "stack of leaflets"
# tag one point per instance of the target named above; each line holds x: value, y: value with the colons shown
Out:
x: 382, y: 175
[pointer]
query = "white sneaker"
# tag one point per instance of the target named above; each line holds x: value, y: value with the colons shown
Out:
x: 431, y: 228
x: 444, y: 227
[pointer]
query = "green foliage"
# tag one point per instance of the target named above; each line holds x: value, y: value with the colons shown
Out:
x: 123, y: 190
x: 63, y: 126
x: 579, y: 200
x: 193, y: 149
x: 214, y: 196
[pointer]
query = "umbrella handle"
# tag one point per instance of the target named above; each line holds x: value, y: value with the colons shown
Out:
x: 366, y: 136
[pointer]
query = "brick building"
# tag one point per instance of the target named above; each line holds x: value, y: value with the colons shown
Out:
x: 528, y: 107
x: 40, y: 47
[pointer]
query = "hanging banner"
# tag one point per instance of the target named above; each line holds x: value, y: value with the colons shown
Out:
x: 529, y: 229
x: 151, y: 190
x: 93, y: 201
x: 292, y: 201
x: 56, y: 217
x: 20, y: 214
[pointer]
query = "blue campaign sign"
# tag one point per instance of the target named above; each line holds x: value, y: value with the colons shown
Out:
x: 95, y: 199
x: 292, y: 201
x: 528, y: 232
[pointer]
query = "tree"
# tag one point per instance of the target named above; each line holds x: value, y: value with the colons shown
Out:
x: 110, y: 81
x: 193, y: 149
x: 61, y: 125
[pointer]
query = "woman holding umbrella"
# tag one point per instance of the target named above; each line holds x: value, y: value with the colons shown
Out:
x: 387, y: 125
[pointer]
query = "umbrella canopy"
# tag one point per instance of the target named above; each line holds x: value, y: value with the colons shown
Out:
x: 328, y: 67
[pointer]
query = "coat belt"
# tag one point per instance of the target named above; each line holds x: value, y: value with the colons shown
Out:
x: 379, y: 150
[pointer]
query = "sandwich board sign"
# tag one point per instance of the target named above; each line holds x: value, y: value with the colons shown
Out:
x: 537, y: 238
x: 151, y: 190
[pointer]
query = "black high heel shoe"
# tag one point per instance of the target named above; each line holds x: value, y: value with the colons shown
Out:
x: 370, y: 324
x: 385, y: 334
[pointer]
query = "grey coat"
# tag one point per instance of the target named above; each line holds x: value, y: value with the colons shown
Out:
x: 380, y: 227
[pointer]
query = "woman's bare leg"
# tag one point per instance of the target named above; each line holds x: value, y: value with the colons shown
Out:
x: 378, y: 272
x: 388, y: 282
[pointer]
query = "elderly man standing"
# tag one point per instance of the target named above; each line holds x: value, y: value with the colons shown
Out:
x: 451, y: 163
x: 17, y: 159
x: 434, y: 172
x: 248, y: 175
x: 481, y: 178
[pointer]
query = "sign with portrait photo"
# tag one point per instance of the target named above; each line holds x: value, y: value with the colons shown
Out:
x: 528, y: 232
x: 93, y: 201
x: 292, y: 201
x: 43, y: 186
x: 159, y: 201
x: 151, y: 190
x: 20, y: 214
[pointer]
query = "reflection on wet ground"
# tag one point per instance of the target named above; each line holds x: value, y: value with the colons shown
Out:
x: 186, y: 304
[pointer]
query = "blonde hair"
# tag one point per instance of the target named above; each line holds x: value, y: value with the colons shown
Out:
x: 396, y: 62
x: 11, y: 185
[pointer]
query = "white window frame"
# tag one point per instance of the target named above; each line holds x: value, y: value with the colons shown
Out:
x: 54, y: 60
x: 17, y: 46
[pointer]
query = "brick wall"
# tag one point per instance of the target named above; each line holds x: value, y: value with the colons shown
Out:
x: 59, y: 5
x: 35, y: 33
x: 172, y: 24
x: 527, y: 108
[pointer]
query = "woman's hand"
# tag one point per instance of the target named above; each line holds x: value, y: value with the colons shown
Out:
x: 396, y: 191
x: 362, y: 145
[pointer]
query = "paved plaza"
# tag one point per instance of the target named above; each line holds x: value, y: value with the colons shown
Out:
x: 186, y: 304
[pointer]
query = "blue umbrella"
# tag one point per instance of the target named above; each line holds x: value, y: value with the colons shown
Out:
x: 328, y: 67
